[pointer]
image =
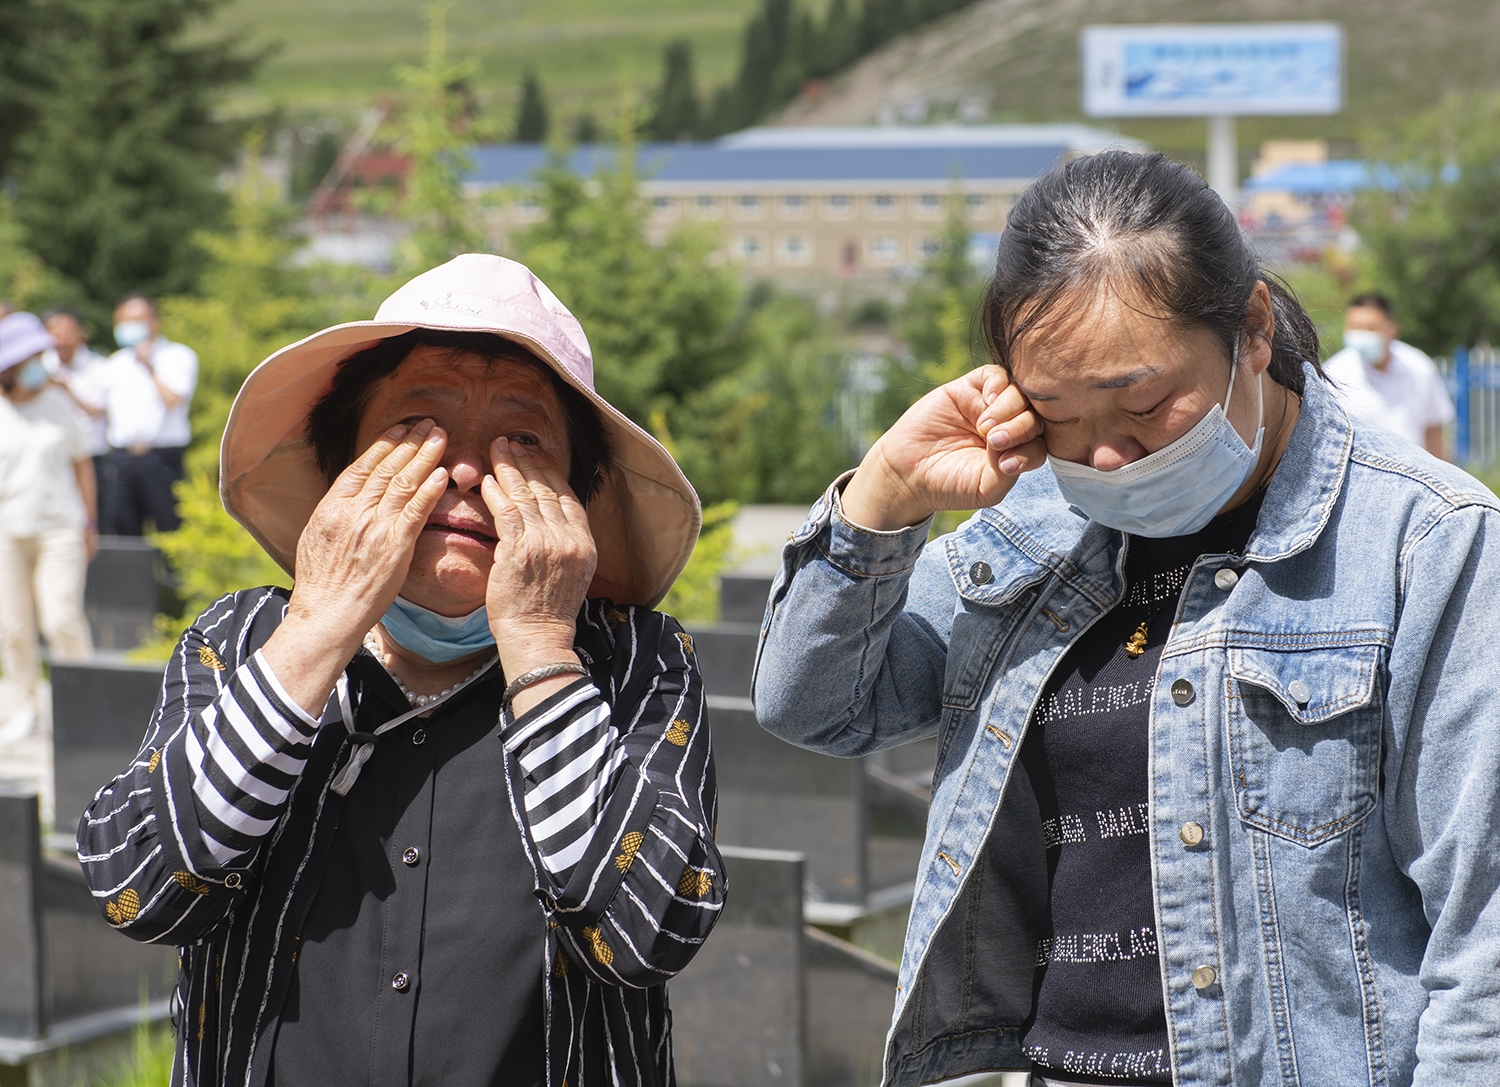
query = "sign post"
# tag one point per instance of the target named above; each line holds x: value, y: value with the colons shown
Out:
x: 1215, y: 70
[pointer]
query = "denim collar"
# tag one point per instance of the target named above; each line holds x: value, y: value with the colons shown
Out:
x: 1297, y: 506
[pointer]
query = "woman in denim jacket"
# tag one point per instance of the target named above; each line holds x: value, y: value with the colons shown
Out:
x: 1219, y: 762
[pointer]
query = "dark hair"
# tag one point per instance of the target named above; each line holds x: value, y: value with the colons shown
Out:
x: 1148, y: 222
x: 64, y: 311
x: 1372, y: 300
x: 333, y: 423
x: 139, y: 296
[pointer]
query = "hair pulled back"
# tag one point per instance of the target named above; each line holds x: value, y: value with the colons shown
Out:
x: 1154, y: 233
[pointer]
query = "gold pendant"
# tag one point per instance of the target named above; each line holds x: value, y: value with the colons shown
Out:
x: 1135, y: 645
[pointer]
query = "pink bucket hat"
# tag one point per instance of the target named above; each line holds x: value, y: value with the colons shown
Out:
x: 645, y: 516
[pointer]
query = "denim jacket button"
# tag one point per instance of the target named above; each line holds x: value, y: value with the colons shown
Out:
x: 1226, y: 579
x: 980, y: 573
x: 1300, y: 692
x: 1191, y: 833
x: 1204, y: 977
x: 1182, y: 692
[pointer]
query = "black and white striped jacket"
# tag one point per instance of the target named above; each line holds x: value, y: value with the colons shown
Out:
x: 206, y: 839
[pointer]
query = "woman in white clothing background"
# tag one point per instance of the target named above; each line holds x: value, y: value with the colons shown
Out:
x: 48, y: 531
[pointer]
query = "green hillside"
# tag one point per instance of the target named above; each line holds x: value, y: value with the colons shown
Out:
x: 1021, y: 57
x: 337, y: 55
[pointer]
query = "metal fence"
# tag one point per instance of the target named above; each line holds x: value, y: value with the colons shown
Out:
x: 1473, y: 377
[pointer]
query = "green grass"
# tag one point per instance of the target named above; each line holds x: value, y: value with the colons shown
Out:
x: 336, y: 55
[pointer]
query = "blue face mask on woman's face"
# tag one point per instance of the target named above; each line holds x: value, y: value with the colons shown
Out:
x: 1176, y: 490
x: 33, y: 375
x: 435, y: 637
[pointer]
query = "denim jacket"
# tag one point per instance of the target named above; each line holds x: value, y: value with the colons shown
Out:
x: 1325, y: 712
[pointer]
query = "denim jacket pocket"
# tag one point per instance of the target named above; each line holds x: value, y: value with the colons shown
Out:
x: 1304, y: 738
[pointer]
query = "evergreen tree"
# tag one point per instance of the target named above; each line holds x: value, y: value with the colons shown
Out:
x: 531, y: 113
x: 836, y: 42
x: 585, y: 129
x: 676, y: 113
x: 116, y: 172
x: 19, y: 27
x: 882, y: 20
x: 430, y: 133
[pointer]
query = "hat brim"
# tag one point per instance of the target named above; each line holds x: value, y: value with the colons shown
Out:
x: 645, y: 516
x: 23, y: 350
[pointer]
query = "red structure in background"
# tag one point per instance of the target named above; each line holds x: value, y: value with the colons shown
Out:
x: 364, y: 163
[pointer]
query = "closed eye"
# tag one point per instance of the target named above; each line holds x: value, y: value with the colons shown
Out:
x: 1148, y: 412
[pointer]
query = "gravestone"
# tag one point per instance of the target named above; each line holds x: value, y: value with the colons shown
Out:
x: 773, y: 795
x: 742, y: 598
x: 127, y: 585
x: 100, y: 710
x: 768, y: 1001
x: 737, y: 1010
x: 68, y: 981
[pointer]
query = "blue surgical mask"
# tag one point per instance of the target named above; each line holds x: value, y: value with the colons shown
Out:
x: 435, y: 637
x: 130, y: 333
x: 1176, y: 490
x: 33, y: 375
x: 1370, y: 346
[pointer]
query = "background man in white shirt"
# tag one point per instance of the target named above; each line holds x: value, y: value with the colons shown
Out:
x: 1383, y: 381
x: 80, y: 372
x: 148, y: 391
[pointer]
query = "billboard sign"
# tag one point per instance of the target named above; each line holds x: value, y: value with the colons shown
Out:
x: 1213, y: 70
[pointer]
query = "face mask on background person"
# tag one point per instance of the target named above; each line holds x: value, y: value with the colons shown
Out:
x: 1179, y: 488
x: 130, y: 333
x: 1369, y: 345
x: 436, y: 637
x: 33, y: 375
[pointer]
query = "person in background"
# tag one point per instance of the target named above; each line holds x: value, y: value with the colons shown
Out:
x: 80, y: 372
x: 1383, y: 381
x: 46, y: 520
x: 148, y: 390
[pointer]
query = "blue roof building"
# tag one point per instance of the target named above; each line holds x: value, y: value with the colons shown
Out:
x: 796, y: 201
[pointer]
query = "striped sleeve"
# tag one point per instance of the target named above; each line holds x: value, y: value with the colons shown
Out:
x: 168, y: 847
x: 613, y: 786
x: 245, y: 751
x: 569, y: 753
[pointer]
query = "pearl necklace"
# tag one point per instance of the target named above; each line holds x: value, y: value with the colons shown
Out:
x: 419, y: 700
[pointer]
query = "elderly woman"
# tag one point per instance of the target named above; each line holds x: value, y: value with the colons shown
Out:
x: 444, y: 812
x: 47, y: 526
x: 1218, y: 774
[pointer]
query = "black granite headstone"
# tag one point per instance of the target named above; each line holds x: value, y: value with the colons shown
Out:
x: 100, y: 711
x: 737, y: 1010
x: 127, y: 585
x: 773, y: 795
x: 742, y: 598
x: 61, y: 965
x: 22, y: 965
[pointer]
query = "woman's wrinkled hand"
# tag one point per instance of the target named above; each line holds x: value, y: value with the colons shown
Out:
x: 354, y: 553
x: 960, y: 447
x: 544, y: 560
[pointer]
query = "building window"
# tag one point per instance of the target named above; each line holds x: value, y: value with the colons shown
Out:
x: 929, y: 201
x: 838, y: 205
x: 884, y: 205
x: 794, y: 205
x: 976, y: 202
x: 707, y: 205
x: 930, y: 247
x: 748, y: 207
x: 529, y: 206
x: 884, y: 250
x: 661, y: 203
x: 795, y: 250
x: 748, y: 248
